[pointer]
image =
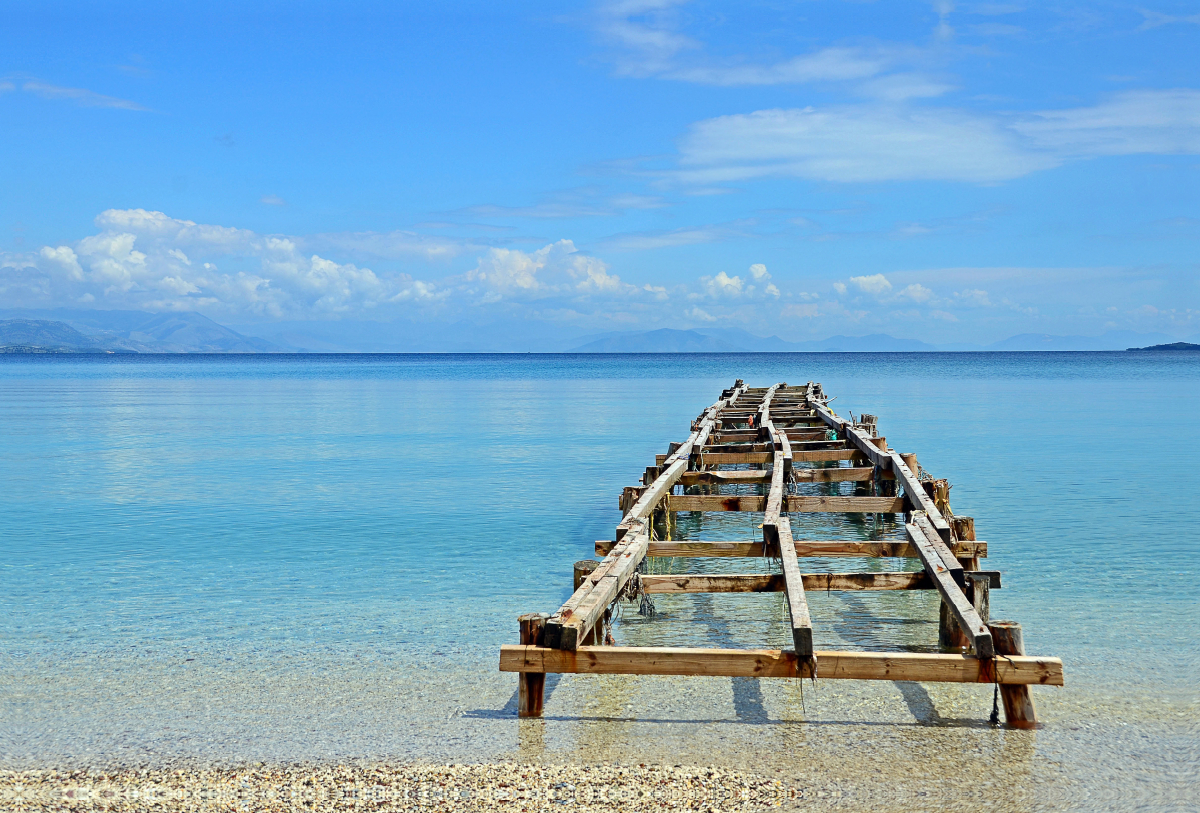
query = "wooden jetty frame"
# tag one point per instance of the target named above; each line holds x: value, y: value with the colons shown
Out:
x: 788, y: 435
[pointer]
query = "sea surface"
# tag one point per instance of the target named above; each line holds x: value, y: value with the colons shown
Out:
x: 215, y: 560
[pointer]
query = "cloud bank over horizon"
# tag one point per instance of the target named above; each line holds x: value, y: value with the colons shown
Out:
x: 944, y: 172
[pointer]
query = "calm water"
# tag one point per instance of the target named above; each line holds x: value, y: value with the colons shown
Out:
x: 214, y: 559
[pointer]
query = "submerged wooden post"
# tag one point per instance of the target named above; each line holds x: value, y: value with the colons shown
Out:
x: 1018, y: 702
x: 530, y: 685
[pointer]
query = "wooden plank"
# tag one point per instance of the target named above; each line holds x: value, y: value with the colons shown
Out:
x: 804, y: 547
x: 764, y: 663
x: 774, y: 582
x: 554, y: 626
x: 652, y: 496
x: 824, y: 456
x: 793, y: 503
x: 916, y: 495
x: 952, y: 594
x: 604, y: 591
x: 779, y: 536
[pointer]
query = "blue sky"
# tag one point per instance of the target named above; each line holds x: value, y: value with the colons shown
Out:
x: 941, y: 171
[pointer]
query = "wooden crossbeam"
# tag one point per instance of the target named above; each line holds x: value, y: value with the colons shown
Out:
x: 726, y: 458
x: 804, y: 548
x: 805, y: 475
x: 765, y: 663
x: 774, y: 582
x: 792, y: 504
x: 925, y: 540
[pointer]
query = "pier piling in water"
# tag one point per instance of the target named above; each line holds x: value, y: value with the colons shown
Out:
x: 775, y: 440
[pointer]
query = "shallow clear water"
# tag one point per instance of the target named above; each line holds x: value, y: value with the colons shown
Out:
x: 288, y: 557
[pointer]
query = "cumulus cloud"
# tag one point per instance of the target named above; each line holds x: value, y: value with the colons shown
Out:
x: 917, y: 293
x: 722, y: 286
x: 555, y: 269
x: 759, y: 272
x: 144, y: 259
x: 874, y: 284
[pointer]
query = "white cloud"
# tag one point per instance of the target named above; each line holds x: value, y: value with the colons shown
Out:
x: 1142, y: 121
x: 7, y: 87
x: 771, y: 290
x: 272, y: 200
x: 840, y: 287
x: 890, y: 141
x: 916, y: 292
x: 722, y: 286
x: 138, y: 260
x: 641, y: 241
x: 759, y: 272
x: 699, y: 315
x: 827, y: 65
x: 855, y: 143
x: 82, y: 97
x: 973, y: 298
x: 556, y: 269
x: 874, y: 284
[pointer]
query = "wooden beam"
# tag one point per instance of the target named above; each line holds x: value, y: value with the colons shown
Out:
x: 605, y: 591
x: 823, y: 456
x: 916, y: 495
x: 779, y: 536
x: 774, y: 582
x: 923, y: 539
x: 804, y: 547
x: 792, y: 503
x: 554, y: 628
x: 763, y: 663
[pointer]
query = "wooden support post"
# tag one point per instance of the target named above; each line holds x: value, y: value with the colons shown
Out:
x: 531, y: 685
x: 1018, y: 703
x: 964, y: 530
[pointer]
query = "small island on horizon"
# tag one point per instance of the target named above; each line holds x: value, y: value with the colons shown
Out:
x: 1173, y: 347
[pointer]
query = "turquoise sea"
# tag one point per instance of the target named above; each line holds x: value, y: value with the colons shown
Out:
x: 229, y: 559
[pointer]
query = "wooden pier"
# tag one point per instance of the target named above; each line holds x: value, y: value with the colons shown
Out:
x: 777, y: 439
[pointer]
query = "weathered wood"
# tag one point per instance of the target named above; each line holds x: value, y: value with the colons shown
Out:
x: 774, y: 582
x: 804, y: 475
x: 583, y: 568
x: 923, y: 539
x: 761, y: 663
x: 804, y: 547
x: 652, y: 495
x: 778, y: 536
x: 554, y: 633
x: 792, y: 503
x: 728, y: 458
x: 1018, y: 702
x: 531, y: 685
x: 915, y: 493
x: 605, y: 590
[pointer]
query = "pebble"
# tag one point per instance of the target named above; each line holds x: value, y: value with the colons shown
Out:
x: 503, y: 786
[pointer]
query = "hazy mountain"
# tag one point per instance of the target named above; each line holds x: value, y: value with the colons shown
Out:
x: 1112, y: 340
x: 128, y: 331
x: 44, y: 335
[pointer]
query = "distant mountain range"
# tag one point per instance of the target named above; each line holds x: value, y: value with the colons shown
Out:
x: 93, y: 331
x: 84, y: 331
